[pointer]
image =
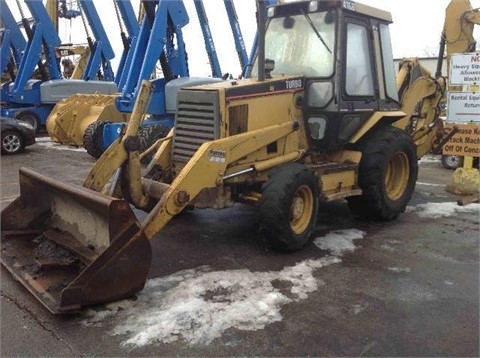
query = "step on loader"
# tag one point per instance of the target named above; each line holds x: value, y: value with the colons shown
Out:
x: 325, y: 119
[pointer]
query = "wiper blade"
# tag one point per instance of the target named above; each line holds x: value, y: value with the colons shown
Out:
x: 309, y: 20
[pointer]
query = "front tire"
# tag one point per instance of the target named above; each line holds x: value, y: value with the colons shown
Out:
x: 148, y: 136
x: 288, y: 208
x: 387, y: 174
x: 92, y: 139
x: 452, y: 162
x: 12, y: 143
x: 30, y: 118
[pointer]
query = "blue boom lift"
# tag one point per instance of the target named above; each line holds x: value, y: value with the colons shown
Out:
x: 124, y: 11
x: 13, y: 42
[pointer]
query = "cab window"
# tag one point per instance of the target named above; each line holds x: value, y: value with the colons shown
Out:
x: 359, y: 78
x: 387, y: 57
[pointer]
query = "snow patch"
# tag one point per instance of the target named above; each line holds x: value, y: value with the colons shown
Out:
x: 389, y: 245
x: 429, y: 159
x: 340, y: 241
x: 47, y: 143
x: 446, y: 209
x: 399, y: 269
x: 198, y: 305
x: 358, y: 308
x: 429, y: 184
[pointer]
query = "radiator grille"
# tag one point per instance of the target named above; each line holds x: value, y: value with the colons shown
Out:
x: 196, y: 122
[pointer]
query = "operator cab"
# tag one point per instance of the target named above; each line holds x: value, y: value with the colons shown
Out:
x: 343, y: 51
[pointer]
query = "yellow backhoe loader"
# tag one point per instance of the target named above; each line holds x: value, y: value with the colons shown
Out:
x: 325, y: 119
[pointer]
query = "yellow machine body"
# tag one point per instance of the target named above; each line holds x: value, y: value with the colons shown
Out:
x: 285, y: 142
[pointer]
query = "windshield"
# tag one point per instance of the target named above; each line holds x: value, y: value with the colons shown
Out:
x: 301, y: 44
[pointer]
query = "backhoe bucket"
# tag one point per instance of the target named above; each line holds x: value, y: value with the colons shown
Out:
x: 71, y: 246
x: 69, y: 119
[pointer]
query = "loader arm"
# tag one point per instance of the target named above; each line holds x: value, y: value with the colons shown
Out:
x: 207, y: 168
x: 123, y: 149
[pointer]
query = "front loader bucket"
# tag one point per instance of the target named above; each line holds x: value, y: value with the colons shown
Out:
x: 71, y: 246
x: 69, y: 119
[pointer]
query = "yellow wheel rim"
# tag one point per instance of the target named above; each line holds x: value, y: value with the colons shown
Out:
x: 301, y: 210
x: 396, y: 178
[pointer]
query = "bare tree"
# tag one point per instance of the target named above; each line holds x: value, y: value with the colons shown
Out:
x: 431, y: 51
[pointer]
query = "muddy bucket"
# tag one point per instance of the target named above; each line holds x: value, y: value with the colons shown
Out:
x: 71, y: 246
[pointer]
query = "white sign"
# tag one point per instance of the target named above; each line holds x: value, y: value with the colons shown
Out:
x: 463, y: 107
x: 465, y: 69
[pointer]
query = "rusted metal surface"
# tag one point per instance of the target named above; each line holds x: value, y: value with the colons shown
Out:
x: 71, y: 246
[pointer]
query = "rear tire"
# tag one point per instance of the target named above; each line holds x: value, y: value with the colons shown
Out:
x: 92, y: 139
x: 12, y: 143
x: 30, y: 118
x: 387, y: 174
x: 288, y: 208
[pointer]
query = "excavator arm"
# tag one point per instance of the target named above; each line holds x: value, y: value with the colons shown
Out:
x: 420, y: 95
x: 460, y: 20
x: 457, y: 34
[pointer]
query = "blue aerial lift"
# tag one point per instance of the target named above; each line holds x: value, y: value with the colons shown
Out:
x: 208, y: 39
x: 237, y: 34
x: 13, y: 42
x: 253, y: 52
x: 31, y: 99
x: 101, y: 51
x: 125, y: 12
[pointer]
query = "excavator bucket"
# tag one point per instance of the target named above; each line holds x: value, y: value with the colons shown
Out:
x: 69, y: 119
x: 71, y: 246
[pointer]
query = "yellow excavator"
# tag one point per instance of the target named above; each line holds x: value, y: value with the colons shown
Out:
x: 326, y: 118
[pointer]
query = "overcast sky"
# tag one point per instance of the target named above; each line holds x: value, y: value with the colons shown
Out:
x: 415, y: 32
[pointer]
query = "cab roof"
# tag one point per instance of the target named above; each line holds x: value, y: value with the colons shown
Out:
x: 291, y: 8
